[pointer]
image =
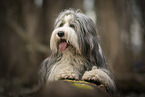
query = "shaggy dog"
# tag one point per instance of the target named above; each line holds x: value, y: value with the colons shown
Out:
x: 75, y: 52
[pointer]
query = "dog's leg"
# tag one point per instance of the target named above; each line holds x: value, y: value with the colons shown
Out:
x: 63, y: 72
x: 98, y: 75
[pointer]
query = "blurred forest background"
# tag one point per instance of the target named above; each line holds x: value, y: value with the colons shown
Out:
x: 26, y: 26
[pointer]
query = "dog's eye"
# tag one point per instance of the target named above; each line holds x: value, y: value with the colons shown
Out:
x: 61, y: 24
x: 72, y: 25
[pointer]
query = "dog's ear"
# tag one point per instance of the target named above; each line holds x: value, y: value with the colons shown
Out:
x: 88, y: 40
x: 43, y: 73
x: 45, y: 70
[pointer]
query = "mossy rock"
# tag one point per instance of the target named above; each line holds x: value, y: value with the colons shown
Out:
x: 73, y: 88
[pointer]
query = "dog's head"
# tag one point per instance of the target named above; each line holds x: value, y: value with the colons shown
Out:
x: 74, y: 30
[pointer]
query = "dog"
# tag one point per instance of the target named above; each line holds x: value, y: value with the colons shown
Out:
x: 75, y: 52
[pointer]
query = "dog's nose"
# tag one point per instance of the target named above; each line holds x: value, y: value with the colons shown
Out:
x: 60, y: 34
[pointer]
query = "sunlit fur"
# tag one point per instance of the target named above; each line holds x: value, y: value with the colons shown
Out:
x: 82, y: 59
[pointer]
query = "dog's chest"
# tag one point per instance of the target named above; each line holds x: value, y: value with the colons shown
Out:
x: 70, y: 59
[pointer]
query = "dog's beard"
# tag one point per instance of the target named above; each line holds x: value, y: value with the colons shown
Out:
x: 68, y: 42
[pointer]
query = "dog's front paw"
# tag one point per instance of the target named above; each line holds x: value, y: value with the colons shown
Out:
x: 98, y: 76
x: 91, y: 76
x: 67, y: 74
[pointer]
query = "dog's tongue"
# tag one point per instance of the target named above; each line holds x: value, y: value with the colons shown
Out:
x: 62, y: 46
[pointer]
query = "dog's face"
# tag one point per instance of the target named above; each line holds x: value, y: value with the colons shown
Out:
x: 73, y: 31
x: 64, y: 35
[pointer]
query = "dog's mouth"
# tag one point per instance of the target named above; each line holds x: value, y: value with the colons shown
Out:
x: 63, y: 44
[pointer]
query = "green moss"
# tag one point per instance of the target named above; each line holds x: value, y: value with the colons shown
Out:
x: 81, y: 84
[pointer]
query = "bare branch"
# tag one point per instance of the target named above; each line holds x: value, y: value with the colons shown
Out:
x: 24, y: 36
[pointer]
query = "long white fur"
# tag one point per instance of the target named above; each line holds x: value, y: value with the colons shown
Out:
x: 64, y: 68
